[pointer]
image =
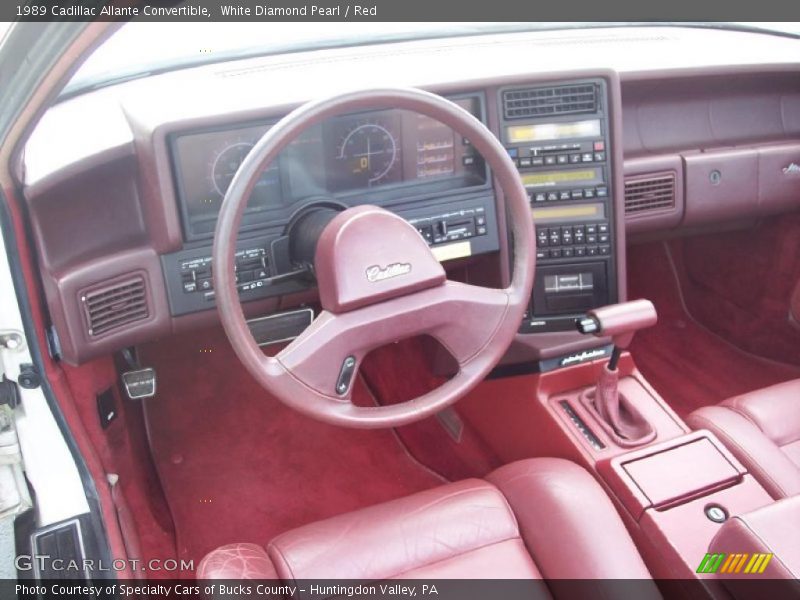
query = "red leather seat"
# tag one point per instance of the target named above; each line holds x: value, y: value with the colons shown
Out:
x: 762, y: 429
x: 537, y: 518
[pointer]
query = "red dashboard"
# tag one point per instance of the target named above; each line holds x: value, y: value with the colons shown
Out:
x: 123, y: 203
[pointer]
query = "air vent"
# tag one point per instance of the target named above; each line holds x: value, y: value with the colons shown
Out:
x: 112, y: 306
x: 542, y: 102
x: 649, y: 192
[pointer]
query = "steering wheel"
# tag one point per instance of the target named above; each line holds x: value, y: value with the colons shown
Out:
x: 378, y: 281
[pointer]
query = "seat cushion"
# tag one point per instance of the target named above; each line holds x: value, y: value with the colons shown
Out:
x: 453, y: 531
x: 762, y: 429
x: 567, y: 521
x: 529, y: 519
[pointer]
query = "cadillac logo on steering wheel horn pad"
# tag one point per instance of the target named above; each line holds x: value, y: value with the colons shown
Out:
x: 375, y: 273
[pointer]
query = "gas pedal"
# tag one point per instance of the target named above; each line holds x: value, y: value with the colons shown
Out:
x: 140, y: 383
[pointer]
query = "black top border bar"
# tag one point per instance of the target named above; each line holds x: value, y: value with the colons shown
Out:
x: 399, y: 10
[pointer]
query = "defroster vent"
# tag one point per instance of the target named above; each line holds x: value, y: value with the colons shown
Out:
x: 654, y: 191
x: 109, y: 307
x: 545, y: 101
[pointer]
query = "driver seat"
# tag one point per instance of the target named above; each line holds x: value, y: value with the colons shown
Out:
x: 532, y: 519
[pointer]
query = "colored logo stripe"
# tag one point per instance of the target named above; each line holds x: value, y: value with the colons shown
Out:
x: 710, y: 563
x: 734, y: 563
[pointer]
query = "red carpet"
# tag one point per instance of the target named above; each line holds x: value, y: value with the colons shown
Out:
x: 739, y: 284
x: 686, y: 363
x: 236, y: 466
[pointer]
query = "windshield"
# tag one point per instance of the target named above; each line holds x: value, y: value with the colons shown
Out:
x: 139, y: 49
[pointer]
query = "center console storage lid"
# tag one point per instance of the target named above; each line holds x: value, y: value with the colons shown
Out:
x: 671, y: 473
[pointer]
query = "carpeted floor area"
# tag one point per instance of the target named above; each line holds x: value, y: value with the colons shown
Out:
x: 237, y: 466
x: 686, y: 363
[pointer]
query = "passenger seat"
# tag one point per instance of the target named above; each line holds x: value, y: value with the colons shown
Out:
x: 762, y: 429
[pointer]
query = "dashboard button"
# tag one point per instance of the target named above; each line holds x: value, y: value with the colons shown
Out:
x: 605, y: 250
x: 566, y: 235
x: 205, y: 284
x: 542, y: 254
x: 602, y: 192
x: 552, y: 196
x: 542, y: 237
x: 537, y: 161
x: 555, y: 236
x: 512, y: 152
x: 580, y: 250
x: 591, y: 251
x: 577, y: 194
x: 468, y: 160
x: 588, y: 193
x: 574, y: 158
x: 599, y: 156
x: 591, y: 238
x: 562, y: 159
x: 555, y: 253
x: 189, y: 287
x: 539, y: 197
x: 602, y: 228
x: 549, y: 160
x: 525, y: 162
x: 591, y: 229
x: 565, y: 195
x: 599, y: 146
x: 567, y: 252
x: 587, y: 157
x: 603, y: 238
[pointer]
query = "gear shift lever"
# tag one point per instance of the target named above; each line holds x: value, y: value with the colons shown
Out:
x: 618, y: 416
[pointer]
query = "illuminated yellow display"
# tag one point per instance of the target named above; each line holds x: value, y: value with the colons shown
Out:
x: 569, y: 213
x: 588, y: 176
x: 520, y: 134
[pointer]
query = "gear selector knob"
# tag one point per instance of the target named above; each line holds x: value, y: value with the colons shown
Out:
x: 619, y: 321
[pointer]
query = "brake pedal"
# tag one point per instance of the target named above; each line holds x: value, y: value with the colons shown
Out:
x: 140, y: 383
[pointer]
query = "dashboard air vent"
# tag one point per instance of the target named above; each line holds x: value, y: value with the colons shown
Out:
x: 112, y: 306
x: 546, y: 101
x: 654, y: 191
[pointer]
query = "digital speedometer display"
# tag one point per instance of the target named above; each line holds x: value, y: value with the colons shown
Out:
x: 395, y: 151
x: 367, y: 152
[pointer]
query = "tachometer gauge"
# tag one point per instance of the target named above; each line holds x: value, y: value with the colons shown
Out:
x: 367, y: 153
x: 227, y: 163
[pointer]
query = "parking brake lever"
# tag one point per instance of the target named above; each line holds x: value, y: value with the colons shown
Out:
x: 620, y: 322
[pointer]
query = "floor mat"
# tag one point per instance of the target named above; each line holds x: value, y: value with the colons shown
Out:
x: 686, y: 363
x: 237, y: 466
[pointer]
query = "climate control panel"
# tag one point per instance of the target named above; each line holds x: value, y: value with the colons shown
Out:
x: 559, y: 137
x: 461, y: 227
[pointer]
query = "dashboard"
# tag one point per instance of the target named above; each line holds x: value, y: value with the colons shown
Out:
x: 395, y: 152
x: 634, y: 138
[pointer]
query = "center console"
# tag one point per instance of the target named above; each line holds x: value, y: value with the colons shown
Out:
x: 559, y: 137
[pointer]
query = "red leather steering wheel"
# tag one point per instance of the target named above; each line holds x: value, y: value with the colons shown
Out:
x: 378, y: 281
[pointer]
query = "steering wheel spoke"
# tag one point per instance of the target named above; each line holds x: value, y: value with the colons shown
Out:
x: 462, y: 317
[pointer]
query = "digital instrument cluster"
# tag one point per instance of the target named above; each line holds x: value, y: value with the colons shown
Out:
x: 395, y: 152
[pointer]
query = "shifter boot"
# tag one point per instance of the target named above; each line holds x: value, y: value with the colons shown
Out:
x: 616, y: 414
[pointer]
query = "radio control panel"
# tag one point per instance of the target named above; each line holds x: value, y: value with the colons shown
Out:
x: 559, y: 138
